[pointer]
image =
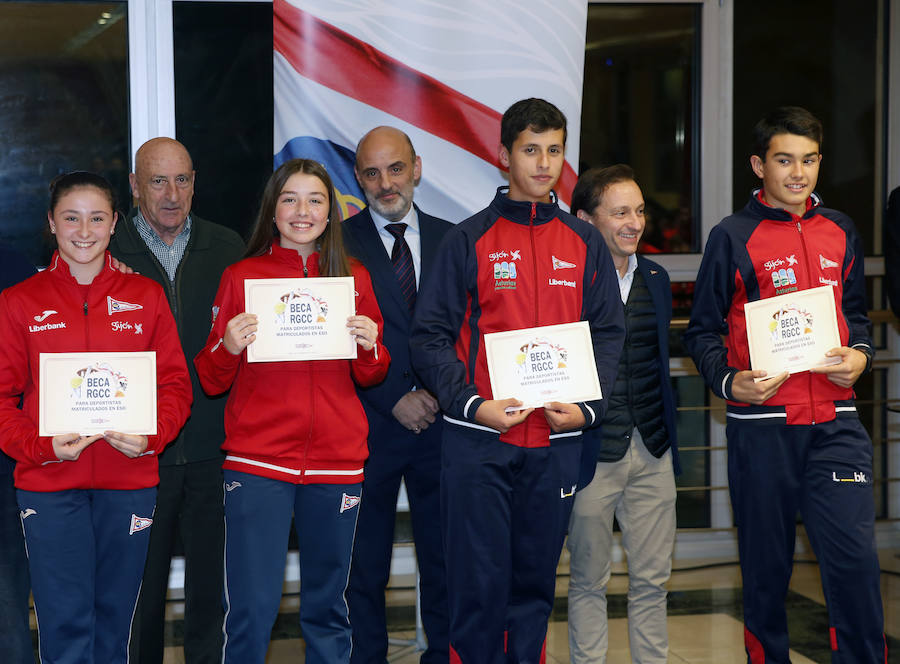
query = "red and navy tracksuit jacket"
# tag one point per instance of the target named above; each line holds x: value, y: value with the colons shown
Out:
x: 298, y: 422
x: 804, y: 450
x: 514, y: 265
x: 51, y: 313
x: 761, y: 252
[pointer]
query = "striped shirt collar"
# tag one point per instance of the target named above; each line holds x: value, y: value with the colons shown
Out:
x: 168, y: 256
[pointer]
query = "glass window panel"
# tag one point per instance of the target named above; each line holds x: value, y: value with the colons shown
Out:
x: 224, y: 105
x: 640, y: 107
x: 783, y: 62
x: 691, y: 398
x: 871, y: 394
x: 63, y: 107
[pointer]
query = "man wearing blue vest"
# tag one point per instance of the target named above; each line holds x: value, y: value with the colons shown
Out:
x: 633, y: 454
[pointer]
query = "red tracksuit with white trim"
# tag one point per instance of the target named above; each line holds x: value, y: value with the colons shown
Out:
x: 805, y: 448
x: 298, y: 422
x: 86, y: 521
x: 506, y: 498
x: 295, y: 438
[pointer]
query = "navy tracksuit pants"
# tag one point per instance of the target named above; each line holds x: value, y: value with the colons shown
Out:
x: 86, y: 554
x: 258, y: 513
x: 395, y: 454
x: 825, y: 472
x: 505, y: 513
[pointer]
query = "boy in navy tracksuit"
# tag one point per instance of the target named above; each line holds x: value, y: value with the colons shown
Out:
x: 508, y: 478
x: 795, y: 442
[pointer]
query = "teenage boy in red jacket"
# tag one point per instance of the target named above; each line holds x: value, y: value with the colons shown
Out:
x: 795, y: 441
x: 508, y: 479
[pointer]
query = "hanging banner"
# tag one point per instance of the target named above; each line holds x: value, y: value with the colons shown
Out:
x: 444, y: 73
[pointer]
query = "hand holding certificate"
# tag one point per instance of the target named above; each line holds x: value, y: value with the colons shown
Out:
x: 792, y: 332
x: 539, y: 365
x: 92, y: 393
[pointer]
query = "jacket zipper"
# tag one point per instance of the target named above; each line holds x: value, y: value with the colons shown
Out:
x: 809, y: 380
x: 87, y: 346
x: 312, y: 425
x: 176, y: 291
x: 537, y: 304
x: 312, y: 411
x: 172, y: 287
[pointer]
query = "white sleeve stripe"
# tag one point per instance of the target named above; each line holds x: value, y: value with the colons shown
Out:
x: 591, y: 411
x: 566, y: 434
x: 756, y: 416
x: 463, y: 423
x: 469, y: 403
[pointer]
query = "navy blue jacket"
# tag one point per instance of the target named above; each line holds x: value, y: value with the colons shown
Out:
x: 660, y: 288
x: 514, y: 265
x: 362, y: 241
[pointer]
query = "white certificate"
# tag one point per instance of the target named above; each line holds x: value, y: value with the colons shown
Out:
x: 89, y: 393
x: 301, y: 319
x: 541, y: 364
x: 792, y: 332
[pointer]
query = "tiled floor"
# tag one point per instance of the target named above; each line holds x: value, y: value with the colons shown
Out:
x: 704, y: 617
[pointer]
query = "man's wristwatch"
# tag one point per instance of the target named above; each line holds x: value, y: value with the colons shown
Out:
x: 870, y: 355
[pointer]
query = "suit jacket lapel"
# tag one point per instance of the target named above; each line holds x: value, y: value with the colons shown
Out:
x: 430, y: 241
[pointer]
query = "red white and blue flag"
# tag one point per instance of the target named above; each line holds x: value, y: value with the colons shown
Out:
x: 443, y: 72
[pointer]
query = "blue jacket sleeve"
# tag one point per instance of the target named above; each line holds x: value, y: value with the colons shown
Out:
x: 604, y: 312
x: 713, y: 293
x: 853, y: 301
x: 440, y: 314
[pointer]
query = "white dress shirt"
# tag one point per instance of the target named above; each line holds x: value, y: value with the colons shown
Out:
x: 412, y: 235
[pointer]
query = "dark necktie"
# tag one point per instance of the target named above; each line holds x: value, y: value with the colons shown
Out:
x: 403, y: 264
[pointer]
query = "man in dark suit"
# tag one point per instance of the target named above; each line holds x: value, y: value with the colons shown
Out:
x: 163, y: 239
x: 396, y: 242
x: 633, y: 455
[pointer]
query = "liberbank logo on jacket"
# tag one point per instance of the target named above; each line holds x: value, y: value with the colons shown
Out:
x: 41, y: 317
x: 46, y: 326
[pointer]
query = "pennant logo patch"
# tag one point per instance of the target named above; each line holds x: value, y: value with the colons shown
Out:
x: 117, y: 306
x: 139, y: 523
x: 559, y: 264
x: 348, y: 502
x: 825, y: 262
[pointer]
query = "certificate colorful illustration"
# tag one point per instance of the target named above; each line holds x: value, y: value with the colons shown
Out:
x: 89, y: 393
x: 301, y: 319
x: 541, y: 364
x: 792, y: 332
